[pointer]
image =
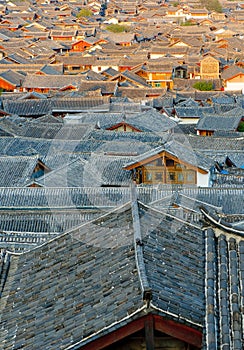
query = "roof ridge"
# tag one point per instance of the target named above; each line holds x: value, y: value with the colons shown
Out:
x: 138, y: 244
x: 69, y: 231
x: 210, y: 287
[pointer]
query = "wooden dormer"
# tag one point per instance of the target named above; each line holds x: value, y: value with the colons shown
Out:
x: 164, y: 168
x: 123, y: 126
x: 40, y: 169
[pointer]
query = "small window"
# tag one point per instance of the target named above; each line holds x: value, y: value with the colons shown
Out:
x: 190, y: 177
x: 171, y: 176
x: 169, y: 162
x: 158, y: 176
x: 180, y: 177
x: 159, y: 162
x: 148, y: 176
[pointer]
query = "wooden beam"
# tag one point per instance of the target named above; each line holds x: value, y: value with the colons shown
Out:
x: 144, y: 161
x: 162, y: 155
x: 115, y: 336
x: 149, y: 332
x: 179, y: 331
x: 149, y: 323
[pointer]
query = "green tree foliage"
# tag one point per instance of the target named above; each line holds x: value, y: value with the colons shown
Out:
x: 84, y: 13
x: 187, y: 23
x: 203, y: 85
x: 212, y: 5
x: 117, y: 28
x: 241, y: 127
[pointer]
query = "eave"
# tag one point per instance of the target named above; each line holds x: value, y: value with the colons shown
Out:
x: 172, y: 328
x: 163, y: 154
x: 116, y: 126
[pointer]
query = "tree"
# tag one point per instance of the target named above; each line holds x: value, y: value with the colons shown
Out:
x: 84, y: 13
x: 187, y: 23
x: 117, y: 28
x: 212, y: 5
x: 241, y: 127
x: 203, y: 85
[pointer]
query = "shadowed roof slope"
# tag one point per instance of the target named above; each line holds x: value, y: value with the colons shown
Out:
x: 54, y: 285
x: 94, y: 279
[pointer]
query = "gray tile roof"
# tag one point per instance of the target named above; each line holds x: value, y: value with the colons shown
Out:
x: 17, y: 171
x: 52, y: 198
x: 233, y: 179
x: 215, y: 122
x: 192, y: 112
x: 40, y: 107
x: 228, y: 200
x: 148, y: 121
x: 28, y: 107
x: 139, y: 136
x: 106, y: 170
x: 110, y: 266
x: 181, y: 270
x: 12, y: 77
x: 106, y: 87
x: 134, y: 78
x: 22, y: 230
x: 177, y: 266
x: 73, y: 314
x: 231, y: 72
x: 151, y: 121
x: 224, y: 297
x: 71, y: 171
x: 31, y: 81
x: 214, y: 144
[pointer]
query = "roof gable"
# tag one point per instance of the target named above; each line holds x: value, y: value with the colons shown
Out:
x: 174, y: 151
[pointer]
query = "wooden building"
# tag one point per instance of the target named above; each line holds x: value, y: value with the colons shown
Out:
x: 169, y: 165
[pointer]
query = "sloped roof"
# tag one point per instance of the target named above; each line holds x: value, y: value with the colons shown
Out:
x: 231, y: 72
x: 227, y: 269
x: 131, y: 77
x: 68, y: 175
x: 193, y: 112
x: 216, y: 143
x: 148, y: 121
x: 185, y: 154
x: 40, y: 107
x: 51, y: 81
x: 151, y: 121
x: 28, y: 107
x: 108, y: 262
x: 12, y: 77
x: 16, y: 171
x: 22, y: 230
x: 106, y: 87
x: 215, y: 122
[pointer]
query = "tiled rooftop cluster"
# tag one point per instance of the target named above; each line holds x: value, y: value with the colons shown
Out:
x: 121, y: 183
x: 140, y: 261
